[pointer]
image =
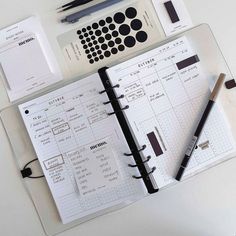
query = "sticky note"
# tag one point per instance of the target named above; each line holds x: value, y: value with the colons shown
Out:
x: 23, y: 63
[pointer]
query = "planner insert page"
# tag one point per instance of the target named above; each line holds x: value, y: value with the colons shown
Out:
x: 167, y: 91
x: 80, y: 148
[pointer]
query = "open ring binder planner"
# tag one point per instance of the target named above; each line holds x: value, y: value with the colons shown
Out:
x: 95, y: 163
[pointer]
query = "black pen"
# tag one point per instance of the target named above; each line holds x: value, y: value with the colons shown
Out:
x: 88, y: 11
x: 200, y: 126
x: 73, y: 4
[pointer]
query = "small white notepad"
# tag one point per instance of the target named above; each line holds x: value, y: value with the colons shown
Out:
x: 24, y: 63
x: 27, y: 63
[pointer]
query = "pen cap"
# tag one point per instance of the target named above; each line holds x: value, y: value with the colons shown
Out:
x: 217, y: 87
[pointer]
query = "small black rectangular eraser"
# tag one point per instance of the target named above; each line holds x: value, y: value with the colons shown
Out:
x: 171, y: 11
x: 230, y: 84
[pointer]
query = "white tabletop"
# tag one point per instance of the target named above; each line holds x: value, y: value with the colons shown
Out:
x: 203, y: 206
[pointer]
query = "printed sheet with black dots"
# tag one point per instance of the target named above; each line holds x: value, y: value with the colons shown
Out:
x: 110, y: 38
x: 112, y: 35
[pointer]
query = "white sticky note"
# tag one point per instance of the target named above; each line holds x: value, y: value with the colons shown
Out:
x: 27, y: 62
x: 23, y: 63
x: 94, y: 167
x: 170, y: 28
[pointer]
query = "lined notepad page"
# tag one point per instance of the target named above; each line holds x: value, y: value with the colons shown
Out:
x: 80, y: 149
x: 167, y: 91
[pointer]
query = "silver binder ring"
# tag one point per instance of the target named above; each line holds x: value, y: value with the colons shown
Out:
x: 115, y: 112
x: 140, y: 150
x: 109, y: 89
x: 147, y: 160
x: 114, y: 100
x: 142, y: 177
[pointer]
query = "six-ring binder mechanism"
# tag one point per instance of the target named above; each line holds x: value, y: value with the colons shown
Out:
x: 141, y: 162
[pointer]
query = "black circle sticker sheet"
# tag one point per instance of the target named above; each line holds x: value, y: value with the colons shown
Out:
x: 110, y: 38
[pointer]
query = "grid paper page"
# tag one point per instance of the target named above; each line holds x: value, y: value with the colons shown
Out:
x: 80, y: 149
x: 167, y: 92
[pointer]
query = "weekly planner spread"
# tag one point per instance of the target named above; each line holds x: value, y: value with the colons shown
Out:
x: 80, y: 142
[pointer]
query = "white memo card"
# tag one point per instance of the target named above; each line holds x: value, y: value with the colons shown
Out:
x: 27, y: 62
x: 24, y: 63
x: 184, y: 22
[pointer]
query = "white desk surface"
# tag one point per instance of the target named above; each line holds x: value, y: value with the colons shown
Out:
x: 203, y: 206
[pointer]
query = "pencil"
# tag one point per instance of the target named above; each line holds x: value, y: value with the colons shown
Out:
x: 200, y: 127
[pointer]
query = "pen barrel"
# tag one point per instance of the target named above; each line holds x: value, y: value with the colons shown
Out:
x: 200, y: 126
x: 185, y: 161
x: 193, y: 143
x: 204, y: 118
x: 210, y: 104
x: 217, y: 87
x: 182, y: 168
x: 76, y: 16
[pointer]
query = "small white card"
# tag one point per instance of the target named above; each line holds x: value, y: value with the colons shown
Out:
x: 180, y: 9
x: 27, y: 62
x: 24, y: 63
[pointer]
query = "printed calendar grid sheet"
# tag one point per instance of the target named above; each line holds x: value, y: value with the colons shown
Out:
x: 166, y: 91
x: 80, y: 149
